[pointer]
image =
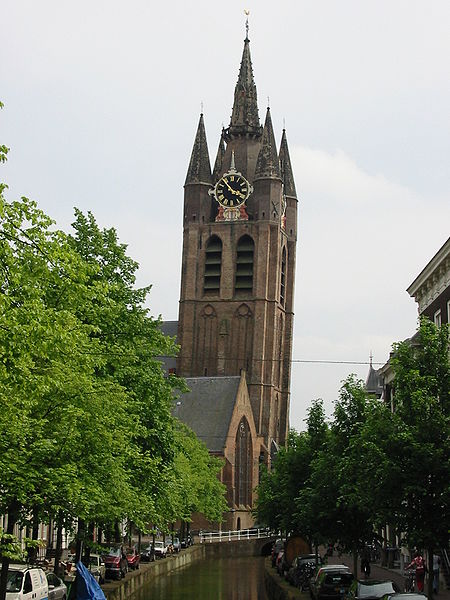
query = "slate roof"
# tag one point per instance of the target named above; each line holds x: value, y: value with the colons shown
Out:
x: 245, y: 116
x: 268, y: 163
x: 217, y: 171
x: 286, y: 168
x: 374, y: 383
x: 170, y: 329
x: 199, y: 170
x: 207, y: 409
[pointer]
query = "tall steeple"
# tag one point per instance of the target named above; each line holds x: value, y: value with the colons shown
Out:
x: 268, y: 164
x: 217, y: 171
x: 286, y: 168
x: 199, y: 170
x: 245, y: 116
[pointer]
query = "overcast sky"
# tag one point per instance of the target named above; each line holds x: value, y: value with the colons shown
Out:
x: 102, y: 100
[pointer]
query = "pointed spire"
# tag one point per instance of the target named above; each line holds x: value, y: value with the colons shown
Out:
x: 286, y: 170
x: 245, y: 116
x: 199, y: 170
x: 219, y: 158
x: 268, y: 164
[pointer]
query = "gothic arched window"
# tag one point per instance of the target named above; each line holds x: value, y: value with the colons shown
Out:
x: 244, y: 265
x: 213, y: 265
x: 243, y: 475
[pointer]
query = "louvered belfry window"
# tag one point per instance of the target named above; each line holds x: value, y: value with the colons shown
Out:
x: 213, y: 266
x: 244, y: 265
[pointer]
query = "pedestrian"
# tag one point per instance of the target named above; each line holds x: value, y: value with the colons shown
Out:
x: 365, y: 562
x: 436, y: 564
x: 418, y: 563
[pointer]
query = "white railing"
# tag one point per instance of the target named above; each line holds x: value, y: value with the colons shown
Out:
x: 233, y: 536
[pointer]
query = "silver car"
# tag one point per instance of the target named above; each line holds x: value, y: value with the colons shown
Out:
x: 57, y: 589
x: 97, y: 567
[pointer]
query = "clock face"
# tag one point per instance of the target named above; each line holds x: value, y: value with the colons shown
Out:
x: 232, y: 190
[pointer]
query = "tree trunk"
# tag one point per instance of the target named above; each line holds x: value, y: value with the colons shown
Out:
x: 13, y: 515
x: 80, y: 540
x: 153, y: 543
x: 87, y: 548
x: 117, y: 538
x: 429, y: 565
x: 355, y: 561
x: 58, y: 549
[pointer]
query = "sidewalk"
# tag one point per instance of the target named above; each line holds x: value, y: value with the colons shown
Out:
x: 379, y: 572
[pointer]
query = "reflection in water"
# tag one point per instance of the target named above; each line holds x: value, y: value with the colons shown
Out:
x: 214, y: 579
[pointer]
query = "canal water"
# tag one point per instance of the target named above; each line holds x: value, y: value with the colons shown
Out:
x: 210, y: 579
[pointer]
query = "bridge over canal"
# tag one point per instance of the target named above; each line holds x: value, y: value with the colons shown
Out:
x: 247, y: 542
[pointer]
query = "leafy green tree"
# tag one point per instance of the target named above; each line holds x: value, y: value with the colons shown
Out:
x: 196, y: 473
x: 131, y: 343
x: 409, y: 449
x: 286, y: 482
x: 54, y: 450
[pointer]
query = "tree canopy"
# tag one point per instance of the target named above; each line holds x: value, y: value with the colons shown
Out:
x: 86, y: 430
x: 369, y: 466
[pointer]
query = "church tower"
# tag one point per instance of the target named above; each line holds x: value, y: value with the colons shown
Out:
x: 238, y: 266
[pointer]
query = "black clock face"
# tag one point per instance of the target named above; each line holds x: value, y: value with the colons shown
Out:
x: 232, y: 190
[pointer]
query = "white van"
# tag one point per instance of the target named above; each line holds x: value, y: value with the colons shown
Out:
x: 26, y: 583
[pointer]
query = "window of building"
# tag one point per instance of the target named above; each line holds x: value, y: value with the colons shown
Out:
x: 213, y: 266
x: 243, y: 465
x: 438, y: 318
x: 283, y: 278
x: 244, y: 265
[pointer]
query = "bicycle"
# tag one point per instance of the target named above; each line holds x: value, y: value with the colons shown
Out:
x: 410, y: 581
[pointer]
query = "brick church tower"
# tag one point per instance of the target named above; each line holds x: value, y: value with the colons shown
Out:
x: 238, y: 267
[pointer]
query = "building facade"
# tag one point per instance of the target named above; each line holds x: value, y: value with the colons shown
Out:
x: 431, y: 288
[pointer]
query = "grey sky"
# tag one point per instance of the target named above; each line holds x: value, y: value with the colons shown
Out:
x: 102, y: 100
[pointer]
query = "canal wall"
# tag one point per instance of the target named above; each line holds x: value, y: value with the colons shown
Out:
x: 278, y: 588
x: 124, y: 589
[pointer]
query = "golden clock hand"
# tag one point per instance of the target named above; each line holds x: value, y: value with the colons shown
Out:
x: 229, y: 186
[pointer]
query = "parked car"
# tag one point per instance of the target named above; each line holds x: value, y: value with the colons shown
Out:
x: 133, y: 557
x: 57, y: 589
x: 324, y: 568
x: 160, y: 549
x: 115, y: 562
x: 370, y: 589
x: 97, y: 567
x: 187, y: 541
x: 147, y: 554
x: 176, y: 545
x: 301, y: 570
x: 26, y: 583
x: 405, y: 596
x: 331, y: 583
